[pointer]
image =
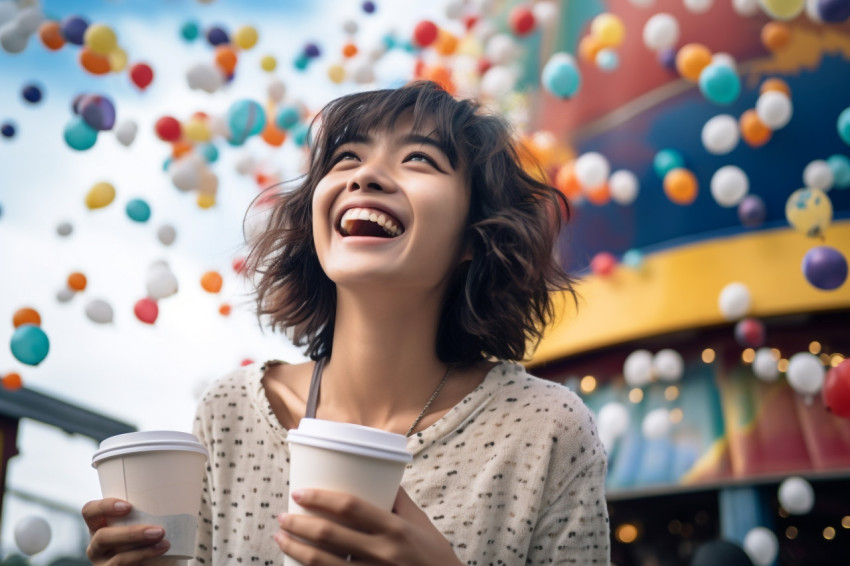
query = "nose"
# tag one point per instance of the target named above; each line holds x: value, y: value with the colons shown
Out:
x: 371, y: 177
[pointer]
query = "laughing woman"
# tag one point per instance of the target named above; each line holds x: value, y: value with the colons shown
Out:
x: 415, y: 264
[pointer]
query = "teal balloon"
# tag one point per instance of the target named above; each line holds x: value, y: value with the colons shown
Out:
x: 209, y: 152
x: 190, y: 31
x: 666, y: 160
x: 561, y: 78
x: 632, y: 258
x: 167, y: 163
x: 607, y: 60
x: 138, y: 210
x: 720, y: 84
x: 301, y: 134
x: 840, y: 165
x: 30, y: 344
x: 79, y: 135
x: 301, y: 61
x: 245, y: 118
x: 389, y: 41
x: 287, y: 117
x: 843, y: 125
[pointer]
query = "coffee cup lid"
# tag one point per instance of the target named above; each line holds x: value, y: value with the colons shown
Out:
x: 346, y: 437
x: 147, y: 441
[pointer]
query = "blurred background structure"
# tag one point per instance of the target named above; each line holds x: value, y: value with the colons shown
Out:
x: 703, y: 145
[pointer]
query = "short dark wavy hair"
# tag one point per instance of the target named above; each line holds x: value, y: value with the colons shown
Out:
x: 498, y: 302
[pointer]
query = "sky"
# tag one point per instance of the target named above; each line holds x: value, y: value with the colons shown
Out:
x: 147, y: 375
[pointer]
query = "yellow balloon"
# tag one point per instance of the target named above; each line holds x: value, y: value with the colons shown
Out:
x: 336, y: 73
x: 809, y: 211
x: 246, y: 37
x: 117, y: 60
x: 197, y: 130
x: 206, y: 201
x: 783, y: 9
x: 100, y: 195
x: 608, y: 29
x: 268, y: 63
x: 100, y: 38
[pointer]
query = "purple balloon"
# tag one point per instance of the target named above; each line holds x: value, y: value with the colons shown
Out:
x: 98, y: 112
x: 834, y: 11
x: 217, y: 36
x: 751, y: 211
x: 667, y: 58
x: 825, y: 268
x: 74, y: 29
x: 312, y: 50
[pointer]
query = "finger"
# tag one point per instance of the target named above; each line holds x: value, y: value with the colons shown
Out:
x: 348, y: 509
x: 133, y: 556
x: 109, y: 541
x: 306, y: 553
x: 324, y: 533
x: 95, y: 513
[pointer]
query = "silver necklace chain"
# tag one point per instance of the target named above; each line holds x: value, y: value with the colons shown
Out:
x: 430, y: 400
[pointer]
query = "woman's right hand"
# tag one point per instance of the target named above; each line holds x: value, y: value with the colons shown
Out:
x: 120, y: 545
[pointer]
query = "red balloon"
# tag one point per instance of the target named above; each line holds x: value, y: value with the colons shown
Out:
x: 168, y: 128
x: 603, y: 264
x: 238, y: 265
x: 425, y: 33
x: 247, y: 362
x: 146, y: 310
x: 836, y: 390
x: 522, y: 20
x: 142, y: 75
x: 749, y: 333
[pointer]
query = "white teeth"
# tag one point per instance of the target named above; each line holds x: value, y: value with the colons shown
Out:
x: 352, y: 214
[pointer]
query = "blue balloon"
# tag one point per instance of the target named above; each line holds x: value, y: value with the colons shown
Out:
x: 667, y: 160
x: 30, y: 344
x: 138, y: 210
x: 217, y: 36
x: 667, y: 58
x: 245, y: 118
x: 74, y: 29
x: 8, y: 130
x: 301, y: 134
x: 79, y: 135
x: 607, y: 60
x: 833, y: 11
x: 720, y: 84
x: 287, y: 117
x: 209, y: 152
x: 32, y: 94
x: 97, y: 111
x: 843, y: 125
x: 632, y: 258
x: 840, y: 165
x: 751, y: 211
x: 561, y: 77
x: 369, y: 7
x: 312, y: 50
x: 825, y: 268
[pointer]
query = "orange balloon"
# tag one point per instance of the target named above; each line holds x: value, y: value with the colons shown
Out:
x: 349, y: 50
x: 180, y: 148
x: 273, y: 135
x: 224, y: 310
x: 775, y: 84
x: 226, y: 59
x: 755, y: 132
x: 680, y: 186
x: 77, y: 281
x: 94, y: 63
x: 775, y: 35
x: 26, y: 315
x: 50, y: 34
x: 588, y: 47
x: 440, y: 75
x: 211, y: 281
x: 598, y: 195
x: 691, y: 59
x: 446, y: 43
x: 566, y: 180
x: 12, y: 381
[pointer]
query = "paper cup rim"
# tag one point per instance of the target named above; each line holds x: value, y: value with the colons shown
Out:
x: 350, y: 438
x: 147, y: 441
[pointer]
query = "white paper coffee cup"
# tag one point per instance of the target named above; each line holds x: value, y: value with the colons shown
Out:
x: 362, y: 461
x: 160, y: 473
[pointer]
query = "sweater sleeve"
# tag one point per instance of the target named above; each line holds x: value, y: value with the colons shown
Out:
x: 203, y: 536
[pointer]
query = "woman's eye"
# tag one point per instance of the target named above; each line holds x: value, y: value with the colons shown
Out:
x: 345, y: 156
x: 421, y: 157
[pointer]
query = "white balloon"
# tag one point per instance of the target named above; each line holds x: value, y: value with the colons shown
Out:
x: 813, y: 11
x: 761, y: 546
x: 454, y: 9
x: 774, y: 108
x: 545, y: 12
x: 765, y: 366
x: 592, y: 169
x: 637, y: 369
x: 276, y: 90
x: 160, y: 284
x: 501, y: 49
x: 729, y: 186
x: 219, y: 127
x: 12, y: 38
x: 32, y: 534
x: 720, y: 134
x: 363, y: 72
x: 656, y: 423
x: 245, y: 165
x: 184, y: 174
x: 698, y: 6
x: 498, y: 81
x: 64, y: 228
x: 734, y: 301
x: 668, y: 365
x: 796, y: 495
x: 624, y: 186
x: 660, y: 32
x: 350, y: 27
x: 205, y: 77
x: 818, y: 175
x: 613, y: 420
x: 28, y: 19
x: 64, y: 295
x: 99, y: 311
x: 724, y: 59
x: 8, y: 9
x: 805, y: 373
x: 746, y: 8
x: 126, y: 132
x: 484, y: 29
x: 166, y: 234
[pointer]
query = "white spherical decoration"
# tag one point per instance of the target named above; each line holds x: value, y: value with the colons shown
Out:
x: 13, y: 39
x: 761, y: 546
x: 774, y: 109
x: 454, y: 9
x: 126, y: 132
x: 818, y: 175
x: 592, y: 169
x: 545, y: 12
x: 624, y: 186
x: 166, y: 234
x: 501, y: 49
x: 64, y: 228
x: 720, y: 134
x: 765, y: 366
x: 184, y: 174
x: 498, y: 81
x: 746, y: 8
x: 724, y: 59
x: 205, y: 77
x: 813, y: 11
x: 698, y: 6
x: 363, y: 72
x: 660, y: 32
x: 668, y: 365
x: 28, y: 19
x: 276, y: 90
x: 637, y: 369
x: 245, y: 164
x: 805, y: 373
x: 656, y: 423
x: 613, y: 420
x: 64, y: 295
x: 729, y: 186
x: 161, y: 283
x: 99, y: 311
x: 796, y: 495
x: 32, y: 534
x: 350, y: 27
x: 734, y: 301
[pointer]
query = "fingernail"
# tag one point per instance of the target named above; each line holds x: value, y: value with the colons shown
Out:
x: 153, y: 533
x: 163, y: 544
x: 297, y: 495
x: 282, y: 518
x: 121, y: 506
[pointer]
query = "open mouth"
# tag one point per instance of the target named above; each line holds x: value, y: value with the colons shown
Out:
x: 369, y: 222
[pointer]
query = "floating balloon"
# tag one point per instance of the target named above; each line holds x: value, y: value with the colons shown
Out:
x: 217, y: 36
x: 126, y: 132
x: 775, y: 35
x: 287, y: 117
x: 783, y: 9
x: 97, y: 111
x: 100, y: 195
x: 425, y: 33
x: 64, y: 228
x: 8, y: 130
x: 691, y: 59
x: 117, y: 60
x: 608, y: 29
x: 501, y: 49
x: 719, y: 84
x: 833, y: 11
x: 31, y: 93
x: 74, y: 29
x: 818, y: 175
x: 668, y: 365
x: 749, y: 333
x: 666, y: 160
x: 521, y: 20
x: 603, y: 264
x: 836, y: 390
x: 607, y: 59
x: 138, y: 210
x: 720, y: 134
x: 11, y: 381
x: 796, y: 495
x: 161, y: 282
x: 632, y: 258
x: 32, y: 534
x: 26, y: 315
x: 825, y: 268
x: 50, y: 34
x: 146, y: 310
x: 166, y: 234
x: 753, y: 130
x: 190, y: 31
x: 656, y: 423
x: 245, y: 118
x: 29, y: 344
x: 698, y: 6
x: 246, y: 37
x: 79, y: 135
x: 734, y: 301
x: 211, y: 282
x: 680, y: 186
x: 225, y: 59
x: 729, y: 185
x: 94, y: 63
x: 840, y: 166
x: 77, y: 281
x: 268, y: 63
x: 612, y: 422
x: 205, y: 77
x: 99, y: 311
x: 142, y: 75
x: 761, y: 546
x: 64, y: 295
x: 765, y: 365
x: 637, y: 369
x: 100, y: 38
x: 774, y: 109
x: 168, y: 128
x: 660, y: 31
x: 809, y: 211
x: 592, y: 169
x: 624, y: 186
x: 843, y: 125
x: 805, y: 374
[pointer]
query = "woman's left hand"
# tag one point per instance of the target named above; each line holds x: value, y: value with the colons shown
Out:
x: 347, y: 525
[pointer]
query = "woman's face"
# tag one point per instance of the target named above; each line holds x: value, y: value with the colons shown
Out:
x: 391, y: 211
